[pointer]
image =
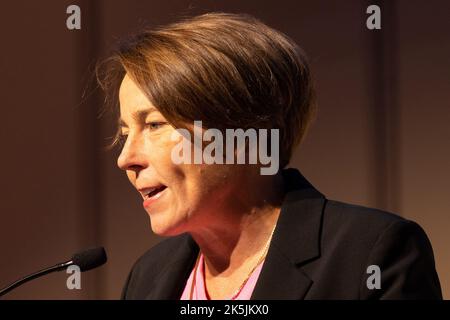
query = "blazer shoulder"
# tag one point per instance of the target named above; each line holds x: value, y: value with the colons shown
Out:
x: 362, y: 236
x: 362, y: 224
x: 358, y: 215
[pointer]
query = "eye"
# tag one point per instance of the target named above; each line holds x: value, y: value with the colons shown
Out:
x: 121, y: 139
x: 155, y: 125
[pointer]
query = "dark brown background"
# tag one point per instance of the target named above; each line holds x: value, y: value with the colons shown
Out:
x: 381, y: 138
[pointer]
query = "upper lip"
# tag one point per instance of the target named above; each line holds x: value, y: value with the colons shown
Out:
x: 146, y: 190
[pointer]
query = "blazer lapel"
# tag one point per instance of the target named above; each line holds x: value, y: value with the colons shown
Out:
x: 171, y: 281
x: 296, y: 241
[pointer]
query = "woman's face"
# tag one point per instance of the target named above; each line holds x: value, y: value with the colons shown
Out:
x: 185, y: 196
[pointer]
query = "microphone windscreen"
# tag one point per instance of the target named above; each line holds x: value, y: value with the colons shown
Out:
x: 90, y: 258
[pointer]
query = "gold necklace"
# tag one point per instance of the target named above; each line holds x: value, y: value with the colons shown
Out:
x: 261, y: 258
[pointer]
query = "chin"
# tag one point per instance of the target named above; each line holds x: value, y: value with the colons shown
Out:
x: 165, y: 228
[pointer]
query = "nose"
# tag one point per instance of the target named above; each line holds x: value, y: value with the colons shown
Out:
x: 132, y: 155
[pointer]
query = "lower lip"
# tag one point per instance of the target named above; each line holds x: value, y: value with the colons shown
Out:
x: 149, y: 201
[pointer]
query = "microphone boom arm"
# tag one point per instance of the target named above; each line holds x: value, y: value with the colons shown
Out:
x: 56, y: 267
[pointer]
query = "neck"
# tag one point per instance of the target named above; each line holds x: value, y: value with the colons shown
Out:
x: 232, y: 242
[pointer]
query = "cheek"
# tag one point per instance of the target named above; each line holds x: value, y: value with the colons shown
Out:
x: 206, y: 183
x: 160, y: 154
x: 192, y: 185
x: 160, y: 159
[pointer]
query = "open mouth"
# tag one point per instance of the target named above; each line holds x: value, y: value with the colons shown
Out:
x: 155, y: 191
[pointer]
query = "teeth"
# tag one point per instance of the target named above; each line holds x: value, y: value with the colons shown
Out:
x: 147, y: 192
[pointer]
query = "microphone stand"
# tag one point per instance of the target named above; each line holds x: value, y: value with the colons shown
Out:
x: 56, y: 267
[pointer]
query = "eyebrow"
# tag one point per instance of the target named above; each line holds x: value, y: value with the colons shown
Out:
x: 137, y: 116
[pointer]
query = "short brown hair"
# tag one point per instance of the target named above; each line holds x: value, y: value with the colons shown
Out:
x: 227, y: 70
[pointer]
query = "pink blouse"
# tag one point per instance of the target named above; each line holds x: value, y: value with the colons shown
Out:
x: 200, y: 292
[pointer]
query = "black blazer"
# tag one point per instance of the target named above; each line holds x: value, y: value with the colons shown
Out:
x: 320, y: 249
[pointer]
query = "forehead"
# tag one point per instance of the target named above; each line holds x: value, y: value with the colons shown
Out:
x: 131, y: 96
x: 134, y: 105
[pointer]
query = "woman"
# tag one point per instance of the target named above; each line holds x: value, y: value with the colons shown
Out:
x: 234, y: 231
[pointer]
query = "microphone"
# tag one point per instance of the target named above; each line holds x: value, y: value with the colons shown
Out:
x: 85, y: 260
